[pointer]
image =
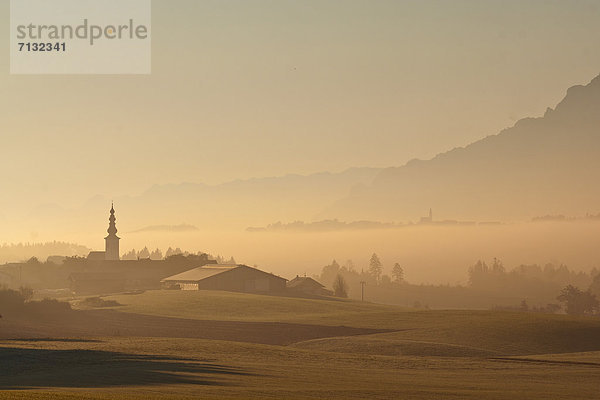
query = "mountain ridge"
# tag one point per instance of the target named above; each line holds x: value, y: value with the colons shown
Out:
x: 525, y: 159
x: 540, y: 166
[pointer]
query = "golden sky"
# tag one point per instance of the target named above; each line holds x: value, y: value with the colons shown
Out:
x: 245, y: 88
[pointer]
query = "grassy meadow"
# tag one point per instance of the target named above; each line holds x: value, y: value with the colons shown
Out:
x: 418, y: 354
x: 494, y: 332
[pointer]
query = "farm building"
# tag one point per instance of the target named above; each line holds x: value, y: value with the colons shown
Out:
x: 305, y: 285
x: 233, y: 278
x: 102, y: 277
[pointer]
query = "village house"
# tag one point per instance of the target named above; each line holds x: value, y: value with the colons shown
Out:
x: 305, y: 285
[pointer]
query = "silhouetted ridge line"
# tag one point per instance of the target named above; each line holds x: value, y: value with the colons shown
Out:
x: 539, y: 166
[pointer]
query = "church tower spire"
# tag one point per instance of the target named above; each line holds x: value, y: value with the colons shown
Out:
x: 112, y: 240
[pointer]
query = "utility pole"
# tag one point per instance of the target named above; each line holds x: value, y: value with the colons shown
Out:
x: 362, y: 290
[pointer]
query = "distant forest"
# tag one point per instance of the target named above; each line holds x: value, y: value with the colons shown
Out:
x: 563, y: 218
x: 24, y: 251
x: 526, y: 287
x: 157, y: 254
x: 333, y: 225
x: 323, y: 226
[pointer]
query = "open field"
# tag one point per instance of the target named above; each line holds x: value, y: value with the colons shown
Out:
x: 207, y: 305
x: 125, y: 368
x: 111, y: 323
x: 218, y: 345
x: 506, y: 333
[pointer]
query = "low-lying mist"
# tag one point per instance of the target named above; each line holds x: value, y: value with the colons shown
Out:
x: 428, y: 253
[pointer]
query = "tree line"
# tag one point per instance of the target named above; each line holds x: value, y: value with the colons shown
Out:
x: 536, y: 281
x: 157, y: 254
x: 24, y: 251
x: 342, y: 277
x: 549, y: 288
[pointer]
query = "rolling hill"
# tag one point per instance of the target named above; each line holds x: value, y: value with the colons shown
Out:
x: 218, y: 345
x: 453, y: 333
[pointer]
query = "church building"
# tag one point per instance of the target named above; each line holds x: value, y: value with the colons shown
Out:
x: 111, y: 249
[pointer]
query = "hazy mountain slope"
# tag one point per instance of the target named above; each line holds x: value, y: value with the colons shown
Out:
x: 540, y: 166
x: 235, y: 204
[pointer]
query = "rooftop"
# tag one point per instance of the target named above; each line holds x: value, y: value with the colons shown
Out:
x: 303, y: 280
x: 199, y: 273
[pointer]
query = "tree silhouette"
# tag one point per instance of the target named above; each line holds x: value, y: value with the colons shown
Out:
x: 398, y: 273
x: 156, y: 255
x: 340, y: 287
x: 350, y: 266
x: 498, y: 267
x: 329, y: 272
x: 144, y: 254
x: 170, y: 252
x: 595, y: 286
x: 375, y: 267
x: 578, y: 302
x: 131, y: 255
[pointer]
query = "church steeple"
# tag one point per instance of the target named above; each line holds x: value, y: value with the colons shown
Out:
x: 112, y: 227
x: 112, y: 240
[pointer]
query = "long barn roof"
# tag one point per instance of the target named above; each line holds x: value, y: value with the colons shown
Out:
x: 200, y: 273
x: 207, y: 271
